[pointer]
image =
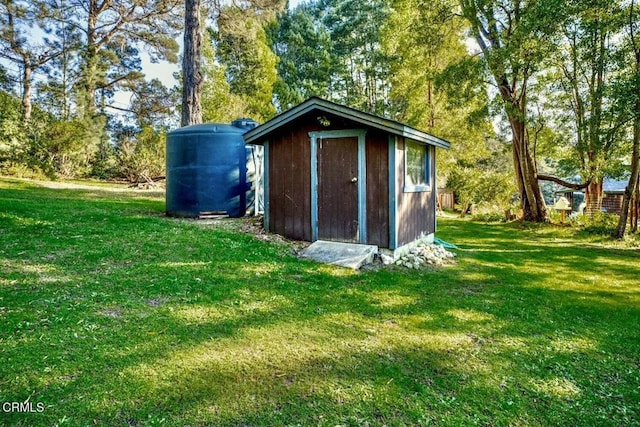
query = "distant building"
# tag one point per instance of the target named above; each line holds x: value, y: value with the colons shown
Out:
x: 613, y: 192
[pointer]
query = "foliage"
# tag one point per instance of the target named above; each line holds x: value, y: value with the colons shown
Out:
x: 483, y: 176
x: 11, y: 136
x: 489, y: 214
x: 515, y: 37
x: 218, y: 103
x: 243, y: 50
x: 142, y: 158
x: 600, y: 223
x: 45, y: 145
x: 114, y: 314
x: 153, y: 104
x: 472, y: 185
x: 303, y: 47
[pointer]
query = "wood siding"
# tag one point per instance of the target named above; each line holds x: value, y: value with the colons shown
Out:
x: 290, y: 182
x: 377, y: 154
x: 416, y: 210
x: 612, y: 203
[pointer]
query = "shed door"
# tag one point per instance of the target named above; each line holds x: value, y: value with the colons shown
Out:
x: 338, y: 189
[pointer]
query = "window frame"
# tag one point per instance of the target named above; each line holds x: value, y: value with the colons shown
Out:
x: 422, y: 187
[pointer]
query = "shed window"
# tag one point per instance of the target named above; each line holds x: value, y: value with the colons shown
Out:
x: 416, y: 171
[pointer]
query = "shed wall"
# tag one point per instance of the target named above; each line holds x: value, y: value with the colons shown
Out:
x: 290, y: 181
x: 377, y: 154
x: 612, y: 203
x: 289, y: 208
x: 415, y: 210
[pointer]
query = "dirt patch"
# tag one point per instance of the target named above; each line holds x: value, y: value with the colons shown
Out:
x: 155, y: 302
x: 254, y: 225
x: 112, y: 312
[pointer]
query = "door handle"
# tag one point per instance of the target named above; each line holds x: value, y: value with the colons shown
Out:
x: 354, y: 179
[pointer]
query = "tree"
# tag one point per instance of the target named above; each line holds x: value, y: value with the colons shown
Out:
x: 633, y: 92
x: 218, y: 103
x: 242, y: 48
x: 191, y: 60
x: 152, y: 104
x: 112, y: 32
x: 437, y: 85
x: 422, y: 38
x: 514, y: 37
x: 55, y: 94
x: 303, y: 48
x: 360, y: 68
x: 584, y: 64
x: 248, y: 62
x: 16, y: 18
x: 239, y: 68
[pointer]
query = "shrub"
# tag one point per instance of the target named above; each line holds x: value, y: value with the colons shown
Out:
x: 142, y: 157
x: 600, y: 223
x: 487, y: 212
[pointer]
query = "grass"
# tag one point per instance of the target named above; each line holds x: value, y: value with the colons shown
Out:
x: 113, y: 314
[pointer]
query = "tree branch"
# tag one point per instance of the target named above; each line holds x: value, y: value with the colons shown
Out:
x: 127, y: 110
x: 562, y: 182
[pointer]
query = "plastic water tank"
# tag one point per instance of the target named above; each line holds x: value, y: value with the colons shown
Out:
x: 207, y: 170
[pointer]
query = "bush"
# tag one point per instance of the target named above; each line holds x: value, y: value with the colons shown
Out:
x: 142, y: 157
x: 476, y: 186
x: 487, y: 212
x: 555, y: 216
x: 599, y: 223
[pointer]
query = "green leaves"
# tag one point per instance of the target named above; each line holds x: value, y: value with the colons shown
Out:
x: 243, y: 52
x: 305, y: 62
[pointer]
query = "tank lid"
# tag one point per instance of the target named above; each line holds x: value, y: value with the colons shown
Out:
x: 208, y: 128
x: 245, y: 124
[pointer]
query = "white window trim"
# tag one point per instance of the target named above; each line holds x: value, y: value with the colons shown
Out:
x: 427, y: 158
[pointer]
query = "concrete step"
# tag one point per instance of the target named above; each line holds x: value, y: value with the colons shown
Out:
x: 348, y: 255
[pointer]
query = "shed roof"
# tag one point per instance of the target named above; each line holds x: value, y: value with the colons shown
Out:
x: 609, y: 186
x: 256, y: 135
x: 614, y: 186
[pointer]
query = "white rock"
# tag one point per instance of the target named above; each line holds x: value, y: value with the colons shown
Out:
x: 386, y: 259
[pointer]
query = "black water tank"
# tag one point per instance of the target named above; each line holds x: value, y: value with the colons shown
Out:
x: 207, y: 169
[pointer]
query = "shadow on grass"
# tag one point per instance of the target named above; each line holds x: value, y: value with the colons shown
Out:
x: 146, y: 319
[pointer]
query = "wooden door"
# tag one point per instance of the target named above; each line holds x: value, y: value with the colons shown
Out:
x: 338, y: 189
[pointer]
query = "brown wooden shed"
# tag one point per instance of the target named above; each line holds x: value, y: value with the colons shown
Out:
x: 335, y: 173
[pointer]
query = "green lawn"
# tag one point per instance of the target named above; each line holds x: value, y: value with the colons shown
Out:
x: 112, y: 314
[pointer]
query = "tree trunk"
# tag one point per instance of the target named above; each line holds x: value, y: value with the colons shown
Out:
x: 631, y: 190
x: 191, y: 75
x: 531, y: 200
x: 26, y: 89
x: 636, y: 208
x: 593, y: 196
x: 91, y: 63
